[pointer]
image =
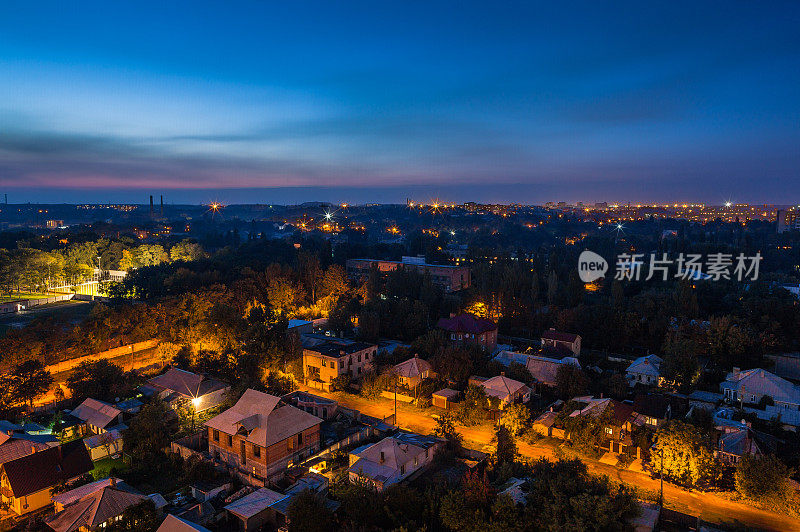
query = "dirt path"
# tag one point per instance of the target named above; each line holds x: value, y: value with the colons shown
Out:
x: 707, y: 506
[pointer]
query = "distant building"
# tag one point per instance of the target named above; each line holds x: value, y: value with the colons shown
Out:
x: 644, y: 370
x: 393, y: 459
x: 788, y: 220
x: 184, y: 389
x: 734, y: 443
x: 468, y: 329
x: 326, y: 358
x: 448, y: 278
x: 260, y: 436
x: 54, y: 224
x: 321, y: 407
x: 301, y: 326
x: 560, y: 341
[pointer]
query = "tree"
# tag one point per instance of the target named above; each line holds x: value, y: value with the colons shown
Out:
x: 687, y: 457
x: 334, y: 282
x: 563, y: 496
x: 100, y: 380
x: 680, y: 362
x: 516, y: 418
x: 762, y: 476
x: 506, y: 450
x: 446, y: 428
x: 186, y: 250
x: 141, y: 517
x: 30, y: 380
x: 283, y: 295
x: 570, y: 381
x: 308, y: 512
x: 148, y: 433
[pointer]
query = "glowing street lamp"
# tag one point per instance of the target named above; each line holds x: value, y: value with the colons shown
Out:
x: 195, y: 404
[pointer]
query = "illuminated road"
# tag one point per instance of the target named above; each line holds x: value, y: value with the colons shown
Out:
x: 707, y: 506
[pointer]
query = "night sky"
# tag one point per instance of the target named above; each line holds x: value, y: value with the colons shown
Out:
x: 275, y: 102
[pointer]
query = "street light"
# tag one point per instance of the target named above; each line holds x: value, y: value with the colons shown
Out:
x: 195, y: 404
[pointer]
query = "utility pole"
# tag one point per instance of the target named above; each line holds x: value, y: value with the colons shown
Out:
x: 395, y: 403
x: 661, y: 495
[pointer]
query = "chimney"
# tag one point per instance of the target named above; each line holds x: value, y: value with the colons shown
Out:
x: 383, y: 457
x: 502, y: 373
x: 162, y: 205
x: 113, y: 482
x: 736, y: 371
x: 151, y: 205
x: 33, y: 449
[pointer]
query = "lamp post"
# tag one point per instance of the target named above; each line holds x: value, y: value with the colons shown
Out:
x: 195, y: 404
x: 661, y: 495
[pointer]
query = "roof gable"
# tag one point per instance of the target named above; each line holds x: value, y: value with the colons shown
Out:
x: 47, y: 468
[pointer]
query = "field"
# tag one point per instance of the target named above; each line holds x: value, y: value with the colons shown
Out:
x: 16, y: 296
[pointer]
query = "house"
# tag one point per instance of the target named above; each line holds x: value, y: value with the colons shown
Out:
x: 506, y: 390
x: 621, y: 420
x: 751, y: 385
x: 103, y: 445
x: 25, y: 482
x: 313, y: 482
x: 517, y: 489
x: 734, y: 443
x: 175, y: 524
x: 445, y: 398
x: 254, y: 511
x: 260, y: 436
x: 326, y: 358
x: 644, y: 370
x: 92, y: 506
x: 184, y: 389
x: 97, y: 416
x: 393, y: 459
x: 506, y: 358
x: 321, y: 407
x: 561, y: 341
x: 470, y: 330
x: 411, y: 372
x: 544, y: 424
x: 656, y: 409
x: 544, y: 370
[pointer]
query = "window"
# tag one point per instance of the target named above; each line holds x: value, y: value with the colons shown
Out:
x: 230, y: 440
x: 256, y: 451
x: 403, y: 469
x: 300, y: 439
x: 216, y: 435
x: 359, y: 358
x: 324, y: 364
x: 333, y: 365
x: 609, y: 431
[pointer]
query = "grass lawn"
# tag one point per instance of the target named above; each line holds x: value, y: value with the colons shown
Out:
x: 5, y: 298
x: 102, y: 468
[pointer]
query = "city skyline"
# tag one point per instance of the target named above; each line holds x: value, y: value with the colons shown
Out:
x: 282, y: 104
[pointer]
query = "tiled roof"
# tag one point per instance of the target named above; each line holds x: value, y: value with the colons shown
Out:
x: 502, y: 387
x: 96, y: 413
x: 466, y: 323
x: 93, y: 509
x: 649, y: 365
x: 264, y: 420
x: 660, y: 406
x: 13, y: 447
x: 254, y: 503
x: 559, y: 336
x: 47, y: 468
x: 175, y: 524
x: 739, y: 443
x: 413, y: 367
x: 186, y: 383
x: 447, y: 392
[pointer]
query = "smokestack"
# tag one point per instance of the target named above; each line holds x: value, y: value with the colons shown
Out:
x: 162, y: 205
x: 151, y: 205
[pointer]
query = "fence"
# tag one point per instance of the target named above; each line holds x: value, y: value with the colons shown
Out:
x: 115, y: 352
x: 16, y: 306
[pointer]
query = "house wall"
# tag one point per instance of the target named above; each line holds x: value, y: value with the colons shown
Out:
x: 355, y: 364
x: 26, y: 504
x: 272, y: 460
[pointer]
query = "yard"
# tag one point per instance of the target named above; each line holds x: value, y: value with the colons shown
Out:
x: 102, y: 468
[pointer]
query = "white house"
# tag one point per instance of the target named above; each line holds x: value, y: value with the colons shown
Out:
x: 644, y: 370
x: 393, y: 459
x: 751, y: 385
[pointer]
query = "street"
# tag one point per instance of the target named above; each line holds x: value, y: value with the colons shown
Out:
x: 708, y: 506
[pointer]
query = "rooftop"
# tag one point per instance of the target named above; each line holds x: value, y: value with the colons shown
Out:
x: 466, y: 323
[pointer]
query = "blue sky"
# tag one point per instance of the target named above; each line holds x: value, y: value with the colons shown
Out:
x: 378, y: 101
